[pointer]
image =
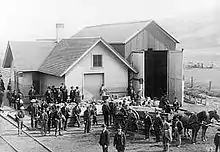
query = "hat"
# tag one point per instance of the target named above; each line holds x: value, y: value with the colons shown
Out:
x: 22, y: 107
x: 33, y: 100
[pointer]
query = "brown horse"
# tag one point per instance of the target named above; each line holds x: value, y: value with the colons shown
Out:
x: 195, y: 121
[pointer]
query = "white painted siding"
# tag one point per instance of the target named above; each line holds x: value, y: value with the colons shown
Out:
x: 115, y: 72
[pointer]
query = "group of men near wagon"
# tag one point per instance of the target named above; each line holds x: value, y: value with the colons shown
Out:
x: 53, y: 112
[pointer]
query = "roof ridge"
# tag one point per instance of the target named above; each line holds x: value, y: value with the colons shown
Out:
x: 30, y: 41
x: 119, y: 23
x: 84, y: 37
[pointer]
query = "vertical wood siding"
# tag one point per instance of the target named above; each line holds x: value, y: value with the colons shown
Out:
x: 150, y: 37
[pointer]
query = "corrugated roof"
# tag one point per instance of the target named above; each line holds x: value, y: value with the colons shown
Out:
x: 65, y: 53
x: 29, y: 55
x: 114, y: 33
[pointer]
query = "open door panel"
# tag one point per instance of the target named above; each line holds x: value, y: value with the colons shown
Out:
x: 175, y: 75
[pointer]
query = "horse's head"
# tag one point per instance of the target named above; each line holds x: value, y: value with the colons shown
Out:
x: 214, y: 114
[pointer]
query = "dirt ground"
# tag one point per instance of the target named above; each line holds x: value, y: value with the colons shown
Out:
x: 74, y: 140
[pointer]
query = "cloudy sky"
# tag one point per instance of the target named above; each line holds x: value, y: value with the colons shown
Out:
x: 36, y: 19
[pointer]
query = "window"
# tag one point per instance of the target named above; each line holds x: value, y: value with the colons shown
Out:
x: 97, y: 60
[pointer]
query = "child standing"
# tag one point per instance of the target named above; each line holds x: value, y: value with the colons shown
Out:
x: 19, y: 117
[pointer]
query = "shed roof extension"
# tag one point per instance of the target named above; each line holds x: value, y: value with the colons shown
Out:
x: 119, y: 32
x: 26, y: 55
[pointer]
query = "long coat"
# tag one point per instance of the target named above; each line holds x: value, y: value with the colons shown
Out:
x: 217, y: 139
x: 119, y: 141
x: 104, y: 138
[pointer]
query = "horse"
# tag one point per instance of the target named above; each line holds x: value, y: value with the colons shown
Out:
x: 195, y: 121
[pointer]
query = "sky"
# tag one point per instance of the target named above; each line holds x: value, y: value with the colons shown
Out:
x: 36, y: 19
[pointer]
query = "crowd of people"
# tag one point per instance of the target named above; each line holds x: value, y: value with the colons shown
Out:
x: 52, y: 112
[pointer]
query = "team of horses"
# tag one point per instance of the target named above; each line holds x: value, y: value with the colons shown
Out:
x: 191, y: 121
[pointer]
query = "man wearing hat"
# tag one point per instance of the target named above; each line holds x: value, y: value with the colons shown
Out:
x: 87, y: 120
x: 19, y: 117
x: 119, y: 140
x: 106, y: 111
x: 44, y: 120
x: 58, y: 120
x: 32, y: 93
x: 77, y: 95
x: 33, y: 111
x: 178, y: 130
x: 76, y: 113
x: 72, y: 94
x: 166, y: 134
x: 217, y: 140
x: 158, y: 124
x: 2, y: 89
x: 147, y: 125
x: 104, y: 139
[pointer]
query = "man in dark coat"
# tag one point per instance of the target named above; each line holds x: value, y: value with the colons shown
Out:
x: 14, y: 98
x: 147, y: 125
x: 217, y: 140
x: 111, y: 112
x: 32, y: 93
x: 104, y: 139
x: 44, y: 121
x: 34, y: 111
x: 58, y: 120
x: 72, y: 94
x: 77, y: 95
x: 87, y: 120
x: 2, y: 89
x: 55, y: 93
x: 65, y: 111
x: 65, y: 94
x: 49, y: 95
x: 176, y: 105
x: 158, y: 124
x: 76, y: 113
x: 106, y: 111
x: 119, y: 140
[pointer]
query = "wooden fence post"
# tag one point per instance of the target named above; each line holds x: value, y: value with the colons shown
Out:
x: 210, y: 85
x: 191, y: 82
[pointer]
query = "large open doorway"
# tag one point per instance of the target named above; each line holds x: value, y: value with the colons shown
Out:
x: 155, y: 73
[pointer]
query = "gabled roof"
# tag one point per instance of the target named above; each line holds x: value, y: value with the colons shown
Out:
x: 68, y: 52
x: 119, y: 32
x: 27, y: 55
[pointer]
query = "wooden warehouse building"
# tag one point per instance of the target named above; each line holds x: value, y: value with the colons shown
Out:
x: 152, y: 52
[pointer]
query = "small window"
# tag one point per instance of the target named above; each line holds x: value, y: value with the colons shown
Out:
x: 97, y: 60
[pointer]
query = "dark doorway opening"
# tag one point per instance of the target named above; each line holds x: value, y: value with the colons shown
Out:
x: 155, y: 72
